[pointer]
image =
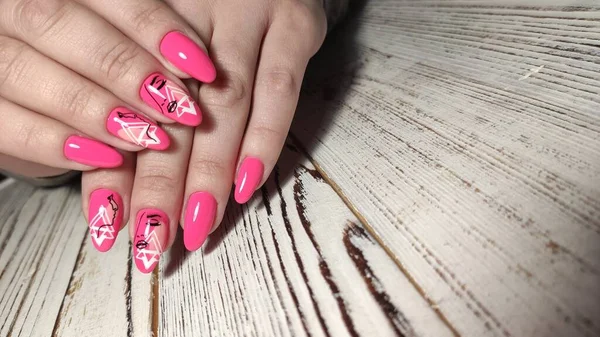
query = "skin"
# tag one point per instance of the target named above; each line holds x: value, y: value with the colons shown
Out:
x: 59, y: 77
x: 260, y: 49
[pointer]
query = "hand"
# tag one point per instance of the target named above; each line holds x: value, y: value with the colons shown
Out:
x: 261, y: 49
x: 76, y: 75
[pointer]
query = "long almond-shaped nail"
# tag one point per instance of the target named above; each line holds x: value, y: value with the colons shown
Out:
x: 186, y: 55
x: 134, y: 128
x: 106, y: 216
x: 199, y: 218
x: 248, y: 177
x: 91, y: 152
x: 151, y: 232
x: 171, y: 100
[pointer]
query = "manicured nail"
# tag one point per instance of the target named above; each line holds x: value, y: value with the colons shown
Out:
x: 186, y: 55
x: 91, y: 152
x: 248, y: 178
x: 106, y: 215
x: 199, y: 218
x: 134, y: 128
x: 171, y: 100
x: 152, y: 229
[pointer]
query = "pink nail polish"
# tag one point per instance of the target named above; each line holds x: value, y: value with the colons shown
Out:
x: 152, y: 229
x: 199, y: 218
x: 249, y: 176
x: 106, y: 215
x: 91, y: 152
x: 132, y: 127
x: 186, y: 55
x: 171, y: 100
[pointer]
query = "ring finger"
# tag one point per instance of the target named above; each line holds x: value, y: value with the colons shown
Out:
x: 37, y: 83
x: 68, y: 32
x: 156, y: 198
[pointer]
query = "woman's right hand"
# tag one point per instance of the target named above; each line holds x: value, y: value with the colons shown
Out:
x: 79, y: 77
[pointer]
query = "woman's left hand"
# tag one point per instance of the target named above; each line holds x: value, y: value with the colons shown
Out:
x: 260, y: 49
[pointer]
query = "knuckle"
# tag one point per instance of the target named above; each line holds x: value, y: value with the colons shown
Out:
x: 265, y: 134
x: 30, y: 136
x: 157, y: 179
x: 76, y: 101
x: 227, y: 91
x: 301, y: 17
x: 280, y: 83
x: 38, y: 16
x: 12, y: 59
x: 146, y: 16
x: 207, y: 167
x: 118, y: 60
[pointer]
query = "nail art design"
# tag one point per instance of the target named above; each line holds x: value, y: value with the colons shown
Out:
x: 199, y: 218
x: 106, y: 215
x: 170, y: 100
x: 249, y: 176
x: 91, y: 152
x: 186, y: 55
x: 136, y: 129
x: 151, y: 229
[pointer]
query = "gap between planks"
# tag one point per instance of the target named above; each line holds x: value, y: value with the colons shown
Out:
x: 373, y: 233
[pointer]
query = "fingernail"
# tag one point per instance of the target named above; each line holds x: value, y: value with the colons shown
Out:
x: 248, y: 178
x: 152, y: 229
x: 199, y: 218
x: 106, y: 215
x: 132, y: 127
x: 171, y: 100
x: 186, y: 55
x: 91, y: 152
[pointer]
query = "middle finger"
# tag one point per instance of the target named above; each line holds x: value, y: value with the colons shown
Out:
x: 78, y: 38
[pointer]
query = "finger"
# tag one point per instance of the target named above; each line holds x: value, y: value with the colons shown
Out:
x: 157, y: 197
x: 67, y: 32
x: 28, y: 169
x: 106, y: 196
x: 163, y: 33
x: 275, y: 96
x: 32, y: 137
x: 216, y: 144
x: 33, y: 81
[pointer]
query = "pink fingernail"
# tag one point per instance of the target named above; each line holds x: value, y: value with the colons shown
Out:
x: 91, y: 152
x: 106, y: 215
x: 248, y: 178
x: 199, y: 218
x: 171, y: 100
x: 134, y: 128
x: 152, y: 229
x: 186, y: 55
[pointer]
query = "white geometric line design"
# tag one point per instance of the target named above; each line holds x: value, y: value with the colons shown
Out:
x: 140, y: 133
x: 150, y: 256
x: 101, y: 226
x: 184, y: 103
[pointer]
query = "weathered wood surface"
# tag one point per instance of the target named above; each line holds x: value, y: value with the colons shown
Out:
x: 453, y: 188
x: 467, y: 136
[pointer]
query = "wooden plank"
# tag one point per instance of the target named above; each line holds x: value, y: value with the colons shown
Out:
x: 296, y: 264
x: 107, y: 294
x: 467, y: 135
x: 40, y: 235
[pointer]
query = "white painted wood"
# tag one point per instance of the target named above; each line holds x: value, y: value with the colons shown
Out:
x: 297, y: 264
x: 467, y: 135
x: 40, y: 235
x: 107, y: 295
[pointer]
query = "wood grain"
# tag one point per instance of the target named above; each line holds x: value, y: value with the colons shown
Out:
x: 296, y: 264
x: 40, y: 235
x: 466, y: 134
